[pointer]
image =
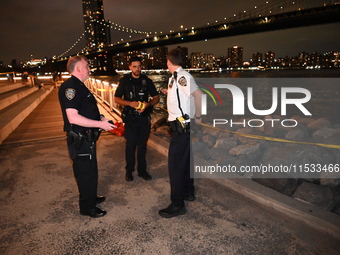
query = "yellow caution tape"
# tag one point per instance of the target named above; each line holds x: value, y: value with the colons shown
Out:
x: 161, y: 107
x: 105, y: 89
x: 332, y: 146
x: 260, y: 137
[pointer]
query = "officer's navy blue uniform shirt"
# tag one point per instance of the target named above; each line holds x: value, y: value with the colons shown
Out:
x: 135, y: 89
x: 74, y: 94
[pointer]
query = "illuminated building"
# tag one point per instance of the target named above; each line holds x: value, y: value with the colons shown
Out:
x: 160, y: 57
x: 184, y: 53
x: 96, y: 28
x: 201, y: 60
x: 257, y: 59
x: 269, y: 59
x: 235, y: 56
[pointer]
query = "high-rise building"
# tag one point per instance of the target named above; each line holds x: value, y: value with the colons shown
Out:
x: 269, y: 59
x: 197, y: 59
x: 257, y: 59
x: 159, y: 57
x: 122, y: 60
x: 201, y: 60
x: 235, y: 56
x: 97, y: 29
x: 185, y: 57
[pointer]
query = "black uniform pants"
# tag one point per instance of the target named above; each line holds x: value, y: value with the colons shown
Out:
x: 137, y: 131
x: 86, y: 173
x: 179, y: 168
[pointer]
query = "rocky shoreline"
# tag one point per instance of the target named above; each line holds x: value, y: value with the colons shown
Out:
x: 306, y: 148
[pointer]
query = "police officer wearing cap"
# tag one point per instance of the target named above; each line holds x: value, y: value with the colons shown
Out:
x: 133, y: 93
x: 82, y: 122
x: 184, y: 108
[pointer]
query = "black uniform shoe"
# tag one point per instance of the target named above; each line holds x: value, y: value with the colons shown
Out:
x: 145, y: 176
x: 190, y: 197
x: 128, y: 177
x: 94, y: 212
x: 100, y: 200
x: 172, y: 211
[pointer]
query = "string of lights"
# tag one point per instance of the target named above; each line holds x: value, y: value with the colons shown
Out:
x: 263, y: 10
x: 73, y: 45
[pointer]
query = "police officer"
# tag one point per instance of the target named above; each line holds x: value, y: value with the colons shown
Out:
x: 82, y: 122
x: 182, y: 113
x: 133, y: 94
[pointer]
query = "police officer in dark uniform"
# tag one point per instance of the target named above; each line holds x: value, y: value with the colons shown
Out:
x: 82, y: 122
x: 133, y: 93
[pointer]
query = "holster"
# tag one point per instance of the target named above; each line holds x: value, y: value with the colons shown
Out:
x: 92, y: 135
x: 177, y: 126
x: 76, y: 139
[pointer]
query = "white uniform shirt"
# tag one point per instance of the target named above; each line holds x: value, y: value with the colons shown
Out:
x: 186, y: 86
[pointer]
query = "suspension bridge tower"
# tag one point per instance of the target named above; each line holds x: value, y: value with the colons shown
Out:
x: 98, y: 35
x: 96, y: 28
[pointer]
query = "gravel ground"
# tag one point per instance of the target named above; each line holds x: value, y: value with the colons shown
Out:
x: 39, y: 211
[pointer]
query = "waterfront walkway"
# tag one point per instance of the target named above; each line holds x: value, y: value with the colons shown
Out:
x: 39, y: 211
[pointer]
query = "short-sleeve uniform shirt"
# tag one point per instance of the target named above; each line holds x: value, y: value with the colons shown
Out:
x: 186, y: 85
x: 135, y: 89
x: 74, y: 94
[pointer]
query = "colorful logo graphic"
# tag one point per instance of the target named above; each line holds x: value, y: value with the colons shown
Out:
x: 211, y: 92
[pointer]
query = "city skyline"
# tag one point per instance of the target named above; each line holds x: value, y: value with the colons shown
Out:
x: 25, y: 32
x: 234, y: 58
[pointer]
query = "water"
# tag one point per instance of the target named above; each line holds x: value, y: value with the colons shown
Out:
x: 324, y: 86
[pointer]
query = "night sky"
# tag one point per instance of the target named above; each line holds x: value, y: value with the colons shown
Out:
x: 44, y: 28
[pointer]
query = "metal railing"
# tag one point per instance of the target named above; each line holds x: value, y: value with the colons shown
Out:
x: 104, y: 91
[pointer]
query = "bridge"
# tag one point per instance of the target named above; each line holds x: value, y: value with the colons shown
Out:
x: 275, y: 15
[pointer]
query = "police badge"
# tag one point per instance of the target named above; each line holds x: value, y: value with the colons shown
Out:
x: 171, y: 82
x: 70, y: 93
x: 182, y: 81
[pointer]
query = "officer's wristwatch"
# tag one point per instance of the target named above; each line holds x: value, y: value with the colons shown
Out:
x: 197, y: 118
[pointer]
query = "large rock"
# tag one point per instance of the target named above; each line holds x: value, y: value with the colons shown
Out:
x: 246, y: 130
x: 200, y: 149
x: 333, y: 139
x: 218, y: 154
x: 319, y: 124
x: 322, y: 134
x: 314, y: 194
x: 303, y: 120
x: 280, y: 183
x: 296, y: 134
x: 245, y: 149
x: 330, y: 182
x: 209, y: 140
x: 285, y: 153
x: 226, y: 143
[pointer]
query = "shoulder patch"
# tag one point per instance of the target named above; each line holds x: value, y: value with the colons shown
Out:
x: 70, y: 93
x: 182, y: 81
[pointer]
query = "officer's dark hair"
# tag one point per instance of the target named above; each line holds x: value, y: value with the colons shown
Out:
x: 175, y: 57
x: 134, y: 59
x: 71, y: 63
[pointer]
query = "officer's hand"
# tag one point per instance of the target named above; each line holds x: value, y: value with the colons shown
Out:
x: 146, y: 105
x: 106, y: 125
x: 164, y: 91
x: 134, y: 104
